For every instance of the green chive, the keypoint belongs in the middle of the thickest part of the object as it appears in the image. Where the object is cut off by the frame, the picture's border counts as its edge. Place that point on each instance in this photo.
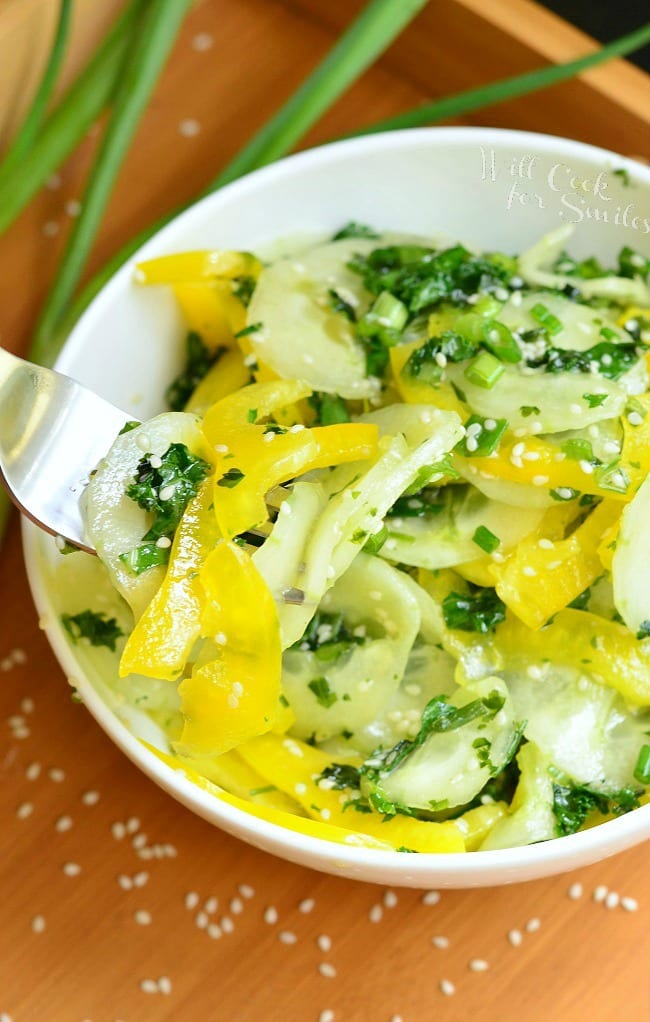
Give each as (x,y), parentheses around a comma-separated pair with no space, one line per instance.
(609,334)
(28,132)
(151,47)
(546,318)
(578,450)
(390,311)
(486,540)
(642,768)
(498,339)
(484,371)
(481,443)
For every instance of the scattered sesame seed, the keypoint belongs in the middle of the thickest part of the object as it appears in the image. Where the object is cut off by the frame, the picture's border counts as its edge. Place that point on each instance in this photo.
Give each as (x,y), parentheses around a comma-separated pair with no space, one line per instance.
(430,898)
(478,965)
(629,904)
(63,823)
(4,1017)
(236,906)
(515,937)
(71,869)
(142,917)
(287,937)
(191,900)
(118,830)
(600,893)
(38,924)
(575,891)
(24,810)
(375,914)
(324,943)
(214,931)
(246,891)
(165,985)
(540,480)
(148,986)
(26,704)
(53,182)
(575,409)
(90,798)
(612,900)
(202,41)
(271,915)
(73,207)
(440,942)
(33,771)
(326,1016)
(201,920)
(211,905)
(327,969)
(396,1018)
(189,127)
(227,924)
(529,571)
(533,925)
(139,841)
(390,899)
(57,775)
(306,905)
(125,882)
(634,418)
(132,825)
(447,987)
(50,229)
(546,544)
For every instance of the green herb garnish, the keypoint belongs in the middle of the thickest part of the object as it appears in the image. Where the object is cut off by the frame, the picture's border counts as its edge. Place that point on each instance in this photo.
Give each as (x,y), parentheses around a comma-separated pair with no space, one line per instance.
(96,627)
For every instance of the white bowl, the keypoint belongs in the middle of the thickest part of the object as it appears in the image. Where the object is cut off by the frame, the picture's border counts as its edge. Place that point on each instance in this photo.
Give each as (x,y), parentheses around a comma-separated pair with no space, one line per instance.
(486,188)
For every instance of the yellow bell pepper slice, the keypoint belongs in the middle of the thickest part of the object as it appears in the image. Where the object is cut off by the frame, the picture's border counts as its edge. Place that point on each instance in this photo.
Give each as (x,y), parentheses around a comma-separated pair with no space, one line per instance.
(235,696)
(415,392)
(476,824)
(536,581)
(293,765)
(233,774)
(162,638)
(606,650)
(184,267)
(534,462)
(207,310)
(250,461)
(297,824)
(223,378)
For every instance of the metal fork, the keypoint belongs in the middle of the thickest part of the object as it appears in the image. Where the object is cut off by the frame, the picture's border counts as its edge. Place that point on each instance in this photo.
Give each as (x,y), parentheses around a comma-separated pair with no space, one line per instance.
(53,432)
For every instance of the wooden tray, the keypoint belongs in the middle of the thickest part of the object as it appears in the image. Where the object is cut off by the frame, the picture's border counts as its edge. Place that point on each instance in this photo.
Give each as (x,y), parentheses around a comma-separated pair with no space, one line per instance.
(93,918)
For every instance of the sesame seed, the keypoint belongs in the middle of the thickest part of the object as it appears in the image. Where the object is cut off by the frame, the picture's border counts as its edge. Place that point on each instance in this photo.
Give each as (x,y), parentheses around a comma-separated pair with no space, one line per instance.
(26,704)
(326,1016)
(518,450)
(478,965)
(324,943)
(24,810)
(440,942)
(125,882)
(430,898)
(221,448)
(214,931)
(300,788)
(227,924)
(63,823)
(246,891)
(38,924)
(167,492)
(201,920)
(306,905)
(600,893)
(189,127)
(540,480)
(139,841)
(533,925)
(56,775)
(515,937)
(528,571)
(33,771)
(575,409)
(165,985)
(564,492)
(390,899)
(118,830)
(142,917)
(326,969)
(612,900)
(132,825)
(201,42)
(236,906)
(287,937)
(90,798)
(271,915)
(211,905)
(575,891)
(534,672)
(531,456)
(634,418)
(546,544)
(396,1018)
(71,869)
(50,229)
(375,914)
(447,987)
(191,900)
(629,904)
(148,986)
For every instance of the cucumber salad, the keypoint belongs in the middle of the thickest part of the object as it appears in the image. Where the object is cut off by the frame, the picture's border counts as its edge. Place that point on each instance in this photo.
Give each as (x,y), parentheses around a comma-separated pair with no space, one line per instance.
(381,572)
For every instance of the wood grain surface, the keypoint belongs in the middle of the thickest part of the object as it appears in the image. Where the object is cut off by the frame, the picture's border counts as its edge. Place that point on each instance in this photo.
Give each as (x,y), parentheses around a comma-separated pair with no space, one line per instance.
(95,922)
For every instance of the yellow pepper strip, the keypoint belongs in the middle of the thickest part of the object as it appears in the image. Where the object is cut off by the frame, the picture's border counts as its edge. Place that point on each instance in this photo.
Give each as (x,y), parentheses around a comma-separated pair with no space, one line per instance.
(309,827)
(476,824)
(294,765)
(533,461)
(537,581)
(223,378)
(250,461)
(230,771)
(414,392)
(204,313)
(606,650)
(162,638)
(290,414)
(234,697)
(186,267)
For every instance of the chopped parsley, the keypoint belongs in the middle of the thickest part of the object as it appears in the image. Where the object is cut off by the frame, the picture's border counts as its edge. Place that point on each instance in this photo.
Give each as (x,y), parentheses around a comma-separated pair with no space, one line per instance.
(354,230)
(324,694)
(96,627)
(340,776)
(527,410)
(243,289)
(427,362)
(164,488)
(198,360)
(473,612)
(339,304)
(595,400)
(231,478)
(643,630)
(572,804)
(606,358)
(330,409)
(328,636)
(486,540)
